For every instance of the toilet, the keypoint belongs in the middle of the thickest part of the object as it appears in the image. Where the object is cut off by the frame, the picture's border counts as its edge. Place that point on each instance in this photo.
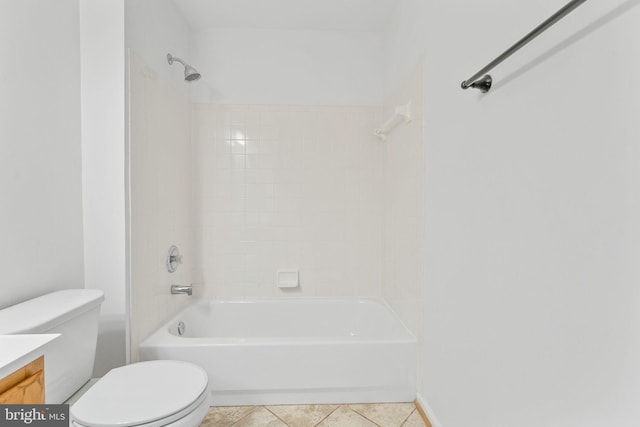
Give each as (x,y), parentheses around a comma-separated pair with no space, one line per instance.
(146,394)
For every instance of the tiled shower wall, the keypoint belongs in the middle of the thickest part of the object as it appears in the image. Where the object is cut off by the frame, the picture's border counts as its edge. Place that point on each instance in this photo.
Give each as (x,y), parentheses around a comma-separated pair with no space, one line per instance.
(247,190)
(284,187)
(404,207)
(161,198)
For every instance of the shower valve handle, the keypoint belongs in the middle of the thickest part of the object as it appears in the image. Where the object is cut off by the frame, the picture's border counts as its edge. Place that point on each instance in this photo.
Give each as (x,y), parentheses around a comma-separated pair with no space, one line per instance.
(174,259)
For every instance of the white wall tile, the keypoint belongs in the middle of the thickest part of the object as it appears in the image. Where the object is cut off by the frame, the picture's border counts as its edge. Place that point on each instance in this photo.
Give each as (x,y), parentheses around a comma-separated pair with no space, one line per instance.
(403,214)
(162,213)
(302,174)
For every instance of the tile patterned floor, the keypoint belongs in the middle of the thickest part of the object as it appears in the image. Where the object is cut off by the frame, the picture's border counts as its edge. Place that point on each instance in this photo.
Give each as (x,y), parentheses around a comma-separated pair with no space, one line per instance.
(355,415)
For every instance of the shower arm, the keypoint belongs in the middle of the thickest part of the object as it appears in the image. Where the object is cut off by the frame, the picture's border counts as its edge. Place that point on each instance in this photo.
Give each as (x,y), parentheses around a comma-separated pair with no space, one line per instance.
(171,58)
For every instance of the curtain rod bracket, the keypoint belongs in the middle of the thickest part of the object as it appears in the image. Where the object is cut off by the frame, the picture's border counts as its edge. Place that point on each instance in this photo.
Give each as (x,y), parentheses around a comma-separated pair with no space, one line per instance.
(483,84)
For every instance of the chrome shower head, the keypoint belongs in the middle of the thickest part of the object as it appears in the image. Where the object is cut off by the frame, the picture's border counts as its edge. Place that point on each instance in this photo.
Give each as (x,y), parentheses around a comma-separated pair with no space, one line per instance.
(190,73)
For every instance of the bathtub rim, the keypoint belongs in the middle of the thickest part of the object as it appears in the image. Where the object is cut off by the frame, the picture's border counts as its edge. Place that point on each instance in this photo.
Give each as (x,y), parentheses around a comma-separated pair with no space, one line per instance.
(163,336)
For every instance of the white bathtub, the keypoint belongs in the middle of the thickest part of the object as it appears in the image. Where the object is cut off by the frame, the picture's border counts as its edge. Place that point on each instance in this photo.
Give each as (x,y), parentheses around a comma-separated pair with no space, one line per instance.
(293,351)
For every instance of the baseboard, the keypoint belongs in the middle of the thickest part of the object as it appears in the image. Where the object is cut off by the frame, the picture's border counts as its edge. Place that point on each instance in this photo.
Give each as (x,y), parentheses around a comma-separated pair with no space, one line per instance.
(426,412)
(426,420)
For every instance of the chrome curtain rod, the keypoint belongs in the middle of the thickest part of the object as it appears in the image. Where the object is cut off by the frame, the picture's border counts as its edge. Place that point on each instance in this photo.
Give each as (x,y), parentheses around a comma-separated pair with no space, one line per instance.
(484,83)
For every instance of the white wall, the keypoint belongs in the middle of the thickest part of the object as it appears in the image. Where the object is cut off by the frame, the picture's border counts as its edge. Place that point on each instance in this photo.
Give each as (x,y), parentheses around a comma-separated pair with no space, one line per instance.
(40,164)
(103,172)
(404,42)
(245,66)
(533,215)
(155,28)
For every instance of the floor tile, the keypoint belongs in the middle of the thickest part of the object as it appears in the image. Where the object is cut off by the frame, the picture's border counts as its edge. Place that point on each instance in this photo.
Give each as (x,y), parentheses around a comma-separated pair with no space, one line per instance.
(385,414)
(414,420)
(302,415)
(260,417)
(225,416)
(345,417)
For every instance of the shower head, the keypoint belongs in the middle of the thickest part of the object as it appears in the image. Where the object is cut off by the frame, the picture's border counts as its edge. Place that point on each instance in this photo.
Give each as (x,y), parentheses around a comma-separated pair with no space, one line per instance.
(190,73)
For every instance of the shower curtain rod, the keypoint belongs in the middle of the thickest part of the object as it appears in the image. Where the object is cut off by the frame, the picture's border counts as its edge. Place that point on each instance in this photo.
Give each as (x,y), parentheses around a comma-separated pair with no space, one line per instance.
(484,83)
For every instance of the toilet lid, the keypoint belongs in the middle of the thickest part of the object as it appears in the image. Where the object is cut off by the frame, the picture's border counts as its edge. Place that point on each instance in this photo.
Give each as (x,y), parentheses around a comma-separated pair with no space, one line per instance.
(141,393)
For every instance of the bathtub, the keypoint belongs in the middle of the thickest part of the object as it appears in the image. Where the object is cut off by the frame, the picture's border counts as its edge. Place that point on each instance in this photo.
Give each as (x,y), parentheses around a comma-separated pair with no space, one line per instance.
(293,351)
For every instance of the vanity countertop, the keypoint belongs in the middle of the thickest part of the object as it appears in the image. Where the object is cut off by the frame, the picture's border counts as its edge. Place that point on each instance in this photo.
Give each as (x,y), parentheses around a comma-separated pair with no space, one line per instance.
(18,350)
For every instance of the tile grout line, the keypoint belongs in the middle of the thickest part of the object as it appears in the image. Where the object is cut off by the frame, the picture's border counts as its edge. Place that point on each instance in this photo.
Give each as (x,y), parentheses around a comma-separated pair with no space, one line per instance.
(276,415)
(247,414)
(328,415)
(408,416)
(365,417)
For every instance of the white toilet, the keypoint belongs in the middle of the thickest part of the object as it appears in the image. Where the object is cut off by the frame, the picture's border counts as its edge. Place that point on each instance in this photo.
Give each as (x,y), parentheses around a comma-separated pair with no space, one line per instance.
(147,394)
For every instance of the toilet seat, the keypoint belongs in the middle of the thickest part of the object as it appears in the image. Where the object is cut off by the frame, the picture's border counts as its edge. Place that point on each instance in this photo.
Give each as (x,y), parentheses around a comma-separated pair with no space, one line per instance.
(149,394)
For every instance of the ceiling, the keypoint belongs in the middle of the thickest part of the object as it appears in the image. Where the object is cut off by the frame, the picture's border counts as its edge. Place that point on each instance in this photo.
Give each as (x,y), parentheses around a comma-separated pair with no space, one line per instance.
(327,15)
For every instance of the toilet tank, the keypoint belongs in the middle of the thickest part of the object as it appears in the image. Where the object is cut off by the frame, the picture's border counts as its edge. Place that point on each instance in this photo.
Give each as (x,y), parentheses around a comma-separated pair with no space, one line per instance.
(73,313)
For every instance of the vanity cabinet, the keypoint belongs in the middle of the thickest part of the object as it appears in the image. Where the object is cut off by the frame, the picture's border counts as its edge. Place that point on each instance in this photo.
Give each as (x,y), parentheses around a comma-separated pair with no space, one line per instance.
(25,385)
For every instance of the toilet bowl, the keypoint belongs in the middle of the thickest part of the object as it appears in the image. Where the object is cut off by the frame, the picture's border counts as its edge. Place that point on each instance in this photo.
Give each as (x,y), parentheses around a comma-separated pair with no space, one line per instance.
(150,394)
(146,394)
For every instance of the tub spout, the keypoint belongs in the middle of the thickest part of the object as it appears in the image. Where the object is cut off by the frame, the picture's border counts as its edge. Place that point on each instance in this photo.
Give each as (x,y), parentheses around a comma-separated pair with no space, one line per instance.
(181,289)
